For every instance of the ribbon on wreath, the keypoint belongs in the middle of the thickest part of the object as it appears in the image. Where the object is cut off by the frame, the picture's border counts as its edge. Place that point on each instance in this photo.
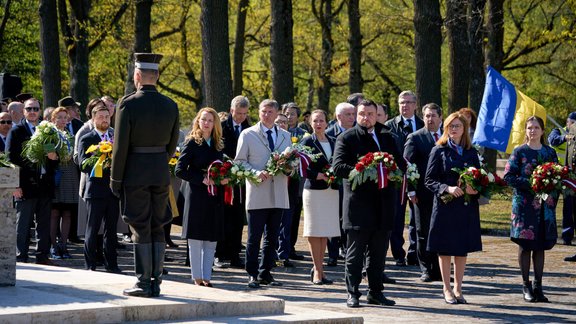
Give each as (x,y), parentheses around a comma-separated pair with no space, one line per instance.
(211,187)
(305,161)
(228,195)
(382,176)
(571,184)
(97,170)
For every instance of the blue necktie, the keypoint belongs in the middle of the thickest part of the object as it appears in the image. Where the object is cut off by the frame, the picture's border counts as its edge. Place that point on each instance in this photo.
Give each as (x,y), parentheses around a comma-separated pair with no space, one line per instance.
(270,140)
(237,131)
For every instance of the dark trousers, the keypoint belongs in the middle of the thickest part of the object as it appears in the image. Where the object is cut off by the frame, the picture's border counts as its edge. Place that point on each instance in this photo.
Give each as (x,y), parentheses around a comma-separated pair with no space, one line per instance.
(284,238)
(365,246)
(397,235)
(229,247)
(144,210)
(428,261)
(568,218)
(29,209)
(295,228)
(101,210)
(267,222)
(335,243)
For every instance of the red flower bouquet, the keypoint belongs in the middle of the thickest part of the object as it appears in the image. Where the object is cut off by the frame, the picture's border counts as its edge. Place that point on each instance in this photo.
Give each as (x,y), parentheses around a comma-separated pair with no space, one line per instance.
(481,180)
(378,167)
(329,173)
(217,172)
(551,177)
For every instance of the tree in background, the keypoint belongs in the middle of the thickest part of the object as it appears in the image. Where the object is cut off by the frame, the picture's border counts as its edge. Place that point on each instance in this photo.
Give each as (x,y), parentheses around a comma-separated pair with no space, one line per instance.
(239,42)
(459,47)
(282,51)
(216,54)
(476,35)
(355,82)
(50,49)
(427,50)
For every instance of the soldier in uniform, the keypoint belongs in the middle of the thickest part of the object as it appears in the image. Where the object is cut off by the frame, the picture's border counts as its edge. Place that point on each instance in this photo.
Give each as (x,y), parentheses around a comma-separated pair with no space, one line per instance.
(146,135)
(568,221)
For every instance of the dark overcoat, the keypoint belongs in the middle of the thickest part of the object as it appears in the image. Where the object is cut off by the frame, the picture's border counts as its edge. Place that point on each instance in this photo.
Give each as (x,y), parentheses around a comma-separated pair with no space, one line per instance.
(366,207)
(455,226)
(203,217)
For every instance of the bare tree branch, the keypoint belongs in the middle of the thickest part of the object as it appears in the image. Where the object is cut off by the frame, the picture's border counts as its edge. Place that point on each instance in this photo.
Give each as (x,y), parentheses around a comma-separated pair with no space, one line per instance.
(4,21)
(115,19)
(380,72)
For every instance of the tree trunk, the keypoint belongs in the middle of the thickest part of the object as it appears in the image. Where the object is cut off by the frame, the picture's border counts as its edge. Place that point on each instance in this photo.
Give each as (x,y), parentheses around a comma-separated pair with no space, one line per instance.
(50,50)
(495,26)
(142,42)
(4,21)
(79,69)
(355,47)
(216,54)
(282,50)
(240,41)
(476,37)
(459,67)
(427,47)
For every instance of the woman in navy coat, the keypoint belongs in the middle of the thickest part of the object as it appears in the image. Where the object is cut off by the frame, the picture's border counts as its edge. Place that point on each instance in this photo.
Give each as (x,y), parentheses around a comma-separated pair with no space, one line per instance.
(203,217)
(320,200)
(455,225)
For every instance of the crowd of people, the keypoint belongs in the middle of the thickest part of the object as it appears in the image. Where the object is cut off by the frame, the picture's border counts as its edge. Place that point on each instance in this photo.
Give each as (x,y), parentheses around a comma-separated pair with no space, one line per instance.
(357,225)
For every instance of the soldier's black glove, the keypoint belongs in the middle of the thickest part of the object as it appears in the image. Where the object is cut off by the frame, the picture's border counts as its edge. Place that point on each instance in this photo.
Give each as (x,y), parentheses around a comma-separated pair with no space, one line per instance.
(115,186)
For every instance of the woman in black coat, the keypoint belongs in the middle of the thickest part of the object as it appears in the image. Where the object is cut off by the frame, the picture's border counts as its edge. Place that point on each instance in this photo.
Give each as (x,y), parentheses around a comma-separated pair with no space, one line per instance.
(455,225)
(203,217)
(320,200)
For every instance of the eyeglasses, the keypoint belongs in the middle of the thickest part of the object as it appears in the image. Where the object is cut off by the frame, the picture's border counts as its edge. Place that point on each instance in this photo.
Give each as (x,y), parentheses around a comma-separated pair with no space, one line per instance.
(35,109)
(457,126)
(4,122)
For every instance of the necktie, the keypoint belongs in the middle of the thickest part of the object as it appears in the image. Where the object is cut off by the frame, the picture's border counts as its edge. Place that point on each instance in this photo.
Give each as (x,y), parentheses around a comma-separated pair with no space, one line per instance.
(376,140)
(104,137)
(409,126)
(33,129)
(436,137)
(270,140)
(237,130)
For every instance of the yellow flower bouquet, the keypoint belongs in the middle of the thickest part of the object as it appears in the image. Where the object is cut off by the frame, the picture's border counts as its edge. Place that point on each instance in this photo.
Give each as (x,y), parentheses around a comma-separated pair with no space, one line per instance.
(100,160)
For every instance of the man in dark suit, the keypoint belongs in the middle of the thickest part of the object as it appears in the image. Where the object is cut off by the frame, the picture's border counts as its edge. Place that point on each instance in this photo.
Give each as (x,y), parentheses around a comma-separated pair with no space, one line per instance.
(5,127)
(402,125)
(34,196)
(367,211)
(417,148)
(229,248)
(101,204)
(146,135)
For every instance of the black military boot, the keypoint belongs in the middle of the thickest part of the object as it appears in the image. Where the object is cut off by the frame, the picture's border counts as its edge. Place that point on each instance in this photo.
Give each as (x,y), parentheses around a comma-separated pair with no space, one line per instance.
(528,293)
(158,249)
(538,293)
(143,270)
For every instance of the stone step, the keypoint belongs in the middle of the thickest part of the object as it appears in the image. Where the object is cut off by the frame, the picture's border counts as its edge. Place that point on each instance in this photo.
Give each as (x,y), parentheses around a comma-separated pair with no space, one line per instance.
(45,294)
(292,314)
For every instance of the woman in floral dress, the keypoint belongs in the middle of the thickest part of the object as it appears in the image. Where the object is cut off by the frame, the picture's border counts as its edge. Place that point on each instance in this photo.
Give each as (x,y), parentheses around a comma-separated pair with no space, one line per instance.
(533,225)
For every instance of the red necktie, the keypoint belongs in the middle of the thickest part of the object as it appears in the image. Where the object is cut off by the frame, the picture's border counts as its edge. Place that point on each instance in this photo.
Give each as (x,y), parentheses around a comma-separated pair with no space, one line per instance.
(435,137)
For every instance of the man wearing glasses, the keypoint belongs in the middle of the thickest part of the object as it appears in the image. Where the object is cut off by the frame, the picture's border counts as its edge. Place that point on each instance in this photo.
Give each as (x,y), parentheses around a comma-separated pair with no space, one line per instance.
(34,196)
(5,126)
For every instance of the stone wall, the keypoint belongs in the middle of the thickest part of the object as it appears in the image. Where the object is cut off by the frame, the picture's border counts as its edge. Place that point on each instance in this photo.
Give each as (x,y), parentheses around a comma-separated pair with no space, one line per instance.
(8,181)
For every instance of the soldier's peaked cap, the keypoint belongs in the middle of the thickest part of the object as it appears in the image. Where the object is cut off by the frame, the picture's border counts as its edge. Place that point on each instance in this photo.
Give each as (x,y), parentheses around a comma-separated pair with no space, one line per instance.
(148,61)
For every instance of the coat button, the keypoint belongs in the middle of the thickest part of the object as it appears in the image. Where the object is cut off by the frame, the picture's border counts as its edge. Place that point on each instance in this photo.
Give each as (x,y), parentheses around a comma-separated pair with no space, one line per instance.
(465,164)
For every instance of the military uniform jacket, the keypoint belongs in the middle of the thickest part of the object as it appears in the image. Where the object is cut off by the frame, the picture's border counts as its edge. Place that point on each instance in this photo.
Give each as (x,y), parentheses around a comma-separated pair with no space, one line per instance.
(145,119)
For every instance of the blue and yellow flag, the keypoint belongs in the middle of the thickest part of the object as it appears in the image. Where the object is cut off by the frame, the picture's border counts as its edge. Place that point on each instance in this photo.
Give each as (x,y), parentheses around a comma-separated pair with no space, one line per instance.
(503,113)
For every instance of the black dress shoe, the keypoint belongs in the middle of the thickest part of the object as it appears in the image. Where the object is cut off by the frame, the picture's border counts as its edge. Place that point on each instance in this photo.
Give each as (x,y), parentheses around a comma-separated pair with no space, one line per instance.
(412,261)
(120,246)
(140,289)
(295,256)
(387,280)
(401,262)
(332,262)
(22,258)
(570,259)
(171,244)
(379,300)
(253,282)
(268,280)
(425,277)
(44,260)
(115,270)
(352,301)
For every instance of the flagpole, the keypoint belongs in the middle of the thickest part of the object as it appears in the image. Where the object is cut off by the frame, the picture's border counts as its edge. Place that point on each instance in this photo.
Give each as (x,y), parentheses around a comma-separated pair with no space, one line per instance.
(556,123)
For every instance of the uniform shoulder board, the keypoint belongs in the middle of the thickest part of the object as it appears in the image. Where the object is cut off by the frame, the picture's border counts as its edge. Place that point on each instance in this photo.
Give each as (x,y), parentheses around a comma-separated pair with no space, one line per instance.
(124,98)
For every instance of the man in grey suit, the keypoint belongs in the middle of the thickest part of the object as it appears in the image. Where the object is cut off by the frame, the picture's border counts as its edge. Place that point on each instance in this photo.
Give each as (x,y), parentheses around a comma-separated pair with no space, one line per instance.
(266,200)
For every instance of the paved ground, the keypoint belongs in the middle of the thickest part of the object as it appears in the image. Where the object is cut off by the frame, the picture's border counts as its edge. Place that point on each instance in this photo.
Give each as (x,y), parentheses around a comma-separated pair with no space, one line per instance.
(492,286)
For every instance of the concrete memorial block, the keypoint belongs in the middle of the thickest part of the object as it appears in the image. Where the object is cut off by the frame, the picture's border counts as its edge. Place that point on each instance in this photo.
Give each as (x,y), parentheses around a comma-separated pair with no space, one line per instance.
(9,180)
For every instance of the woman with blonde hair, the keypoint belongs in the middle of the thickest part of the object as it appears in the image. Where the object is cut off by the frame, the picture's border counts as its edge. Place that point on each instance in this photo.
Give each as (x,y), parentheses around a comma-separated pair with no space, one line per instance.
(454,225)
(203,217)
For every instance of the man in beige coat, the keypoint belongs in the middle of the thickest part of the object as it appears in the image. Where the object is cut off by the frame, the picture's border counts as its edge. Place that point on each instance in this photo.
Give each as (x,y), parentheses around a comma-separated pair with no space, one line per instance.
(266,200)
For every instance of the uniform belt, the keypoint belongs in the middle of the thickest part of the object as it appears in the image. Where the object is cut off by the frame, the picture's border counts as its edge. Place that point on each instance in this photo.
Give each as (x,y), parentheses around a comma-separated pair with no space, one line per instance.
(149,149)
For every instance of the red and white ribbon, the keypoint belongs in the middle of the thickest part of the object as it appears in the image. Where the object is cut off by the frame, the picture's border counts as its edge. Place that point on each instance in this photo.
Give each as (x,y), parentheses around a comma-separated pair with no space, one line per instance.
(571,184)
(228,195)
(211,187)
(305,161)
(382,176)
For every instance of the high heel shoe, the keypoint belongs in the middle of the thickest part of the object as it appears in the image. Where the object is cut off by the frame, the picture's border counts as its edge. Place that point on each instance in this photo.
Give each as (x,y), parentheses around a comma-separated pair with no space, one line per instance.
(450,299)
(528,292)
(460,299)
(312,275)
